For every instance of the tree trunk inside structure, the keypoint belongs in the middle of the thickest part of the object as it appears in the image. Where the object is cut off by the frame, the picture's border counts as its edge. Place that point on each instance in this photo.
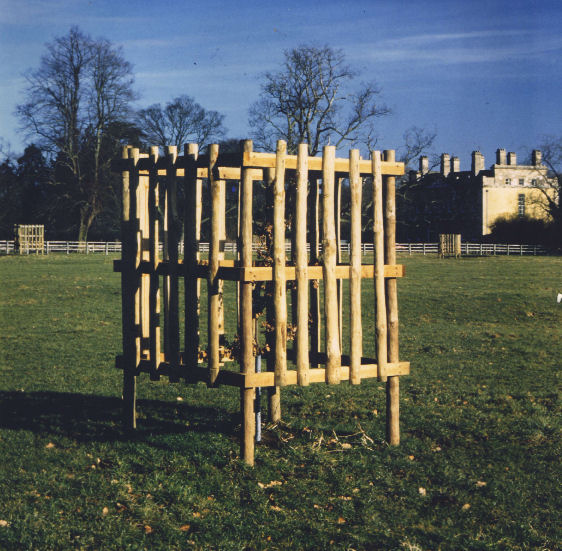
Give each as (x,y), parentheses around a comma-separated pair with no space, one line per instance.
(87,216)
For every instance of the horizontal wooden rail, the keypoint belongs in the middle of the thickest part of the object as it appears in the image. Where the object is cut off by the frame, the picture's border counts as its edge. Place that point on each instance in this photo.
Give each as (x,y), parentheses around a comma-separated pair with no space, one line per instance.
(229,272)
(267,160)
(265,379)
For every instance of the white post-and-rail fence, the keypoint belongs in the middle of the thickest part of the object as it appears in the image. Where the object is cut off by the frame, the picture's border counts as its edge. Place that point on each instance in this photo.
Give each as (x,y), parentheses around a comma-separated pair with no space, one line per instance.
(468,249)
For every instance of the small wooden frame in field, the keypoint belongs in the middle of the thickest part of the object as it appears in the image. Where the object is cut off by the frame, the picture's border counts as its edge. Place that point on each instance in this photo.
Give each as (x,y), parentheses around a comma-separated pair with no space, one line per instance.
(314,185)
(29,238)
(449,245)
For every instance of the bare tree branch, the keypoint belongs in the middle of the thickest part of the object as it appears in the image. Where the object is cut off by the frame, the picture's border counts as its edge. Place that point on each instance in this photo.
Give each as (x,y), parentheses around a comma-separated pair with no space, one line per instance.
(314,99)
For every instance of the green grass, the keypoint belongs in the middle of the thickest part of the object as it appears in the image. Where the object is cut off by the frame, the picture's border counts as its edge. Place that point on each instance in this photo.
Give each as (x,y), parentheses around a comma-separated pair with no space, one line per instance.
(478,466)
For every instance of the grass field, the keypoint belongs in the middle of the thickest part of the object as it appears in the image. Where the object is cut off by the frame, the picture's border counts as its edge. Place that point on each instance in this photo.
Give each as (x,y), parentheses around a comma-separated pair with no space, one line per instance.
(478,466)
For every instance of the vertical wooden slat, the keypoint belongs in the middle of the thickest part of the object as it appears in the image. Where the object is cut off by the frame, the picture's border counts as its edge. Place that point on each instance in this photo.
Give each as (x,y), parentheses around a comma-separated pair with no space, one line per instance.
(144,225)
(314,237)
(355,327)
(301,263)
(130,285)
(279,279)
(339,282)
(213,282)
(174,230)
(333,354)
(166,258)
(274,392)
(153,237)
(246,316)
(393,383)
(222,239)
(238,245)
(192,218)
(380,302)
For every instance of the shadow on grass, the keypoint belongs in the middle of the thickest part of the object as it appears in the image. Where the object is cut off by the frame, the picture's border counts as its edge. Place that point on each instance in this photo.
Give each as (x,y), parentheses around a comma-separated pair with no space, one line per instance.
(86,417)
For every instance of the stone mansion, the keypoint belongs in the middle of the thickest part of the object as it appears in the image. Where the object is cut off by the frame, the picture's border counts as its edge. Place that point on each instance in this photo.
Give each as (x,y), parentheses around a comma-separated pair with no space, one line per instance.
(450,200)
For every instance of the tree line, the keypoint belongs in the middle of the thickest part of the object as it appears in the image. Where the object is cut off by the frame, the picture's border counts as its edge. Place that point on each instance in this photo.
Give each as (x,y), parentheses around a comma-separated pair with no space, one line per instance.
(78,112)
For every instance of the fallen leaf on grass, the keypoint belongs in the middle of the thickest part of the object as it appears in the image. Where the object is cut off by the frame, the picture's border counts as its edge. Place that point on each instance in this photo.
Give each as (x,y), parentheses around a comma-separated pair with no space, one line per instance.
(275,508)
(480,483)
(147,529)
(341,520)
(4,523)
(346,445)
(466,507)
(196,514)
(270,484)
(104,511)
(185,528)
(411,457)
(50,445)
(422,491)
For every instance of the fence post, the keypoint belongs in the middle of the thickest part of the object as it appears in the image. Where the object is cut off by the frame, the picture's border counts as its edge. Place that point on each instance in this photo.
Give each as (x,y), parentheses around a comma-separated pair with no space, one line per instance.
(246,320)
(535,250)
(424,249)
(393,383)
(409,248)
(521,248)
(331,334)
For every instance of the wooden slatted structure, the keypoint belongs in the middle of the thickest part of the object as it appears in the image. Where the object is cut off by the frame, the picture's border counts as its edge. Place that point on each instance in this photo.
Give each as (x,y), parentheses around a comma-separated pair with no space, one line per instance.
(29,238)
(449,245)
(317,297)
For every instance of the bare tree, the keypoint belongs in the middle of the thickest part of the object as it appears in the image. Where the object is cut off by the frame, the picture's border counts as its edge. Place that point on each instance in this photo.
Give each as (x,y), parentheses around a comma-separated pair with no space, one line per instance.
(182,120)
(417,141)
(549,183)
(81,89)
(315,99)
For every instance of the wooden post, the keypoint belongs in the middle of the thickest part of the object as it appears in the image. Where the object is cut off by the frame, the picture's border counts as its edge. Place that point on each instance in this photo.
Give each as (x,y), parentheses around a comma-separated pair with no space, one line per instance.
(333,354)
(393,383)
(314,236)
(174,230)
(144,244)
(130,287)
(192,234)
(213,282)
(153,237)
(339,282)
(380,302)
(356,327)
(274,392)
(246,316)
(222,238)
(279,279)
(301,263)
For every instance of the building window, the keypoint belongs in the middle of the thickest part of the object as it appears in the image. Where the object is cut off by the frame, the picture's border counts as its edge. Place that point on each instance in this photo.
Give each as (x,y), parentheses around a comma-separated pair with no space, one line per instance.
(534,182)
(508,181)
(521,181)
(521,205)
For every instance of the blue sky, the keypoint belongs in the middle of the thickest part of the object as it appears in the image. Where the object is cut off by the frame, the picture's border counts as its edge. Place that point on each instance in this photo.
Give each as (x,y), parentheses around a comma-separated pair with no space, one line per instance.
(482,74)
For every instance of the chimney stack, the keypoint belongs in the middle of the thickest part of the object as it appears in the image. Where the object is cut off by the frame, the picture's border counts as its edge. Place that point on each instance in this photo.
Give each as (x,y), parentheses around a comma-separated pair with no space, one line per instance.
(445,164)
(537,157)
(477,162)
(455,164)
(511,158)
(501,157)
(424,165)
